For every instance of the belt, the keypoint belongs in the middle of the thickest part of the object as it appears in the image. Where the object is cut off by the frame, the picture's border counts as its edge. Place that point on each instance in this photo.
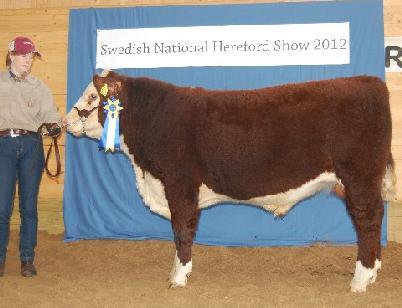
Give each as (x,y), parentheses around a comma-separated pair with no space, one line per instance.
(15,132)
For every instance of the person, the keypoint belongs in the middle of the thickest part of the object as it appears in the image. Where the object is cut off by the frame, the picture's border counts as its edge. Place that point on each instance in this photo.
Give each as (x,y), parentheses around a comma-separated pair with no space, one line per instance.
(25,104)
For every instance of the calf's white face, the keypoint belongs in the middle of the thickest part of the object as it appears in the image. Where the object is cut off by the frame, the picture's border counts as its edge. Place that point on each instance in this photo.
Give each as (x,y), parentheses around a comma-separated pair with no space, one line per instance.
(89,125)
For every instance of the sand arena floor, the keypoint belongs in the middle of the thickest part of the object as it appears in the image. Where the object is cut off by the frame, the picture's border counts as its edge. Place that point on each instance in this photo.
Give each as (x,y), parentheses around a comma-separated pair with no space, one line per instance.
(106,273)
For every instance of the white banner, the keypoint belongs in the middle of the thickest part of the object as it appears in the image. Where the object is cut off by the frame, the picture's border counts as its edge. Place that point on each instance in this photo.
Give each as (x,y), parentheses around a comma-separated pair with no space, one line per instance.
(393,54)
(232,45)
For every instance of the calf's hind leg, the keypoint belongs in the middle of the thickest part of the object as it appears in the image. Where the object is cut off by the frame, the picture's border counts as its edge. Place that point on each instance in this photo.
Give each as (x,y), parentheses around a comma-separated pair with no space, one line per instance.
(184,218)
(366,209)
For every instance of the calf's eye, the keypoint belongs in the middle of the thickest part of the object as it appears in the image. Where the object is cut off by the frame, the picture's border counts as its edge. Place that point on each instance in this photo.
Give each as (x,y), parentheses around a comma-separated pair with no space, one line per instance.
(92,97)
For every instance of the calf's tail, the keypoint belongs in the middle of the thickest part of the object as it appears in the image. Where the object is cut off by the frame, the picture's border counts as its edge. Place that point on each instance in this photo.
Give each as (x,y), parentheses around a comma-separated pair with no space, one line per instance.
(389,181)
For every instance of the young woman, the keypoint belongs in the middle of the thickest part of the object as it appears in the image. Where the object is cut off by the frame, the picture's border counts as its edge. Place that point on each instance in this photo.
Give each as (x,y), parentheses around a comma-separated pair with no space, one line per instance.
(25,104)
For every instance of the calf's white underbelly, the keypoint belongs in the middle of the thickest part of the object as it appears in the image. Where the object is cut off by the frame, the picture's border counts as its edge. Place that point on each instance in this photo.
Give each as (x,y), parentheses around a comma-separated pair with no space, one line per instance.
(153,193)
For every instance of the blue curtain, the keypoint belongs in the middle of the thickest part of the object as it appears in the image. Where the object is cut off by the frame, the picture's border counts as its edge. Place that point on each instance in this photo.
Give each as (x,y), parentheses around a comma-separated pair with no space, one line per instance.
(91,211)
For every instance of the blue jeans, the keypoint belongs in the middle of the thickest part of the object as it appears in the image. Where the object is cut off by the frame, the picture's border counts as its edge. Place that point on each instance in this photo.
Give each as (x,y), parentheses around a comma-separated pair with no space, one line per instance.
(22,159)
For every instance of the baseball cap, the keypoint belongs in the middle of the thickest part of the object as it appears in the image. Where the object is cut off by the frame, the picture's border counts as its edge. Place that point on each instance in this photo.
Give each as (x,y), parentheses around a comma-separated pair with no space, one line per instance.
(22,45)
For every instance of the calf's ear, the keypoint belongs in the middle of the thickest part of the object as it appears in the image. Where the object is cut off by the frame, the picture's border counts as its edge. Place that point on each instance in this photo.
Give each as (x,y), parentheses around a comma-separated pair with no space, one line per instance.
(98,81)
(113,85)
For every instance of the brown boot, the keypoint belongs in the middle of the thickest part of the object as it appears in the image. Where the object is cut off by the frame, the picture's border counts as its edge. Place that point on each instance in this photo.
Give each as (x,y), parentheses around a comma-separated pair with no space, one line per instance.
(28,269)
(2,267)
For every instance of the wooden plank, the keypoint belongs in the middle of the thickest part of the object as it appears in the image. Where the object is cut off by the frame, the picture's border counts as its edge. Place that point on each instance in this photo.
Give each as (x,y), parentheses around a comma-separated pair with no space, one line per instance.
(395,236)
(14,4)
(395,94)
(392,17)
(397,151)
(395,221)
(396,134)
(397,131)
(396,112)
(61,103)
(398,172)
(61,10)
(397,154)
(393,29)
(50,216)
(38,21)
(190,2)
(390,2)
(395,209)
(51,188)
(394,83)
(26,4)
(51,3)
(393,14)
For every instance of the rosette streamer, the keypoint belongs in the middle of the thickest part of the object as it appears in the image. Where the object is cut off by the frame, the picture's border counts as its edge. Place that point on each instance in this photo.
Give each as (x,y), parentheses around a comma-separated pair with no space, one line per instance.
(110,139)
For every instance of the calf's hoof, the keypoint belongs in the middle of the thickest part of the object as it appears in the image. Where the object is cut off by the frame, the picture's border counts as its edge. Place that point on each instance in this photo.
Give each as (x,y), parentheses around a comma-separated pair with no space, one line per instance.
(364,276)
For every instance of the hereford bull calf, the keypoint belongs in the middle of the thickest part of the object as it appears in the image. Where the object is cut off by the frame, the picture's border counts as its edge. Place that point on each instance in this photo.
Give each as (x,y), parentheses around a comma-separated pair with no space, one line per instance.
(272,147)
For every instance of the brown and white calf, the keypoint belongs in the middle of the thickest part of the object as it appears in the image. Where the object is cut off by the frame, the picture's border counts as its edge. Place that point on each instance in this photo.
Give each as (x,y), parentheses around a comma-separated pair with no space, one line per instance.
(272,147)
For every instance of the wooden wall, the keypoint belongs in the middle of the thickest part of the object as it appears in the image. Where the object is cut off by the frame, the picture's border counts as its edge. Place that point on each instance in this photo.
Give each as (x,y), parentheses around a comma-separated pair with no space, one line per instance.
(393,27)
(46,22)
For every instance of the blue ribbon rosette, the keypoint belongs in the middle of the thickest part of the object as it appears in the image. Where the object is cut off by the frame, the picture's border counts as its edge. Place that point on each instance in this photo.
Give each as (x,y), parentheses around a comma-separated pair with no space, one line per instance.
(110,139)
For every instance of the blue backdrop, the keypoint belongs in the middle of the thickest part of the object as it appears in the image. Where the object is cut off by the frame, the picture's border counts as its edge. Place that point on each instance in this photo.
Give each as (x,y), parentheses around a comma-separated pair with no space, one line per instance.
(91,212)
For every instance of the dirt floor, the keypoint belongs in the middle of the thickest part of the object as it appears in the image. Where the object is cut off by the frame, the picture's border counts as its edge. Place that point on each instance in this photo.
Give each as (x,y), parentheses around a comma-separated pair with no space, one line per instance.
(134,274)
